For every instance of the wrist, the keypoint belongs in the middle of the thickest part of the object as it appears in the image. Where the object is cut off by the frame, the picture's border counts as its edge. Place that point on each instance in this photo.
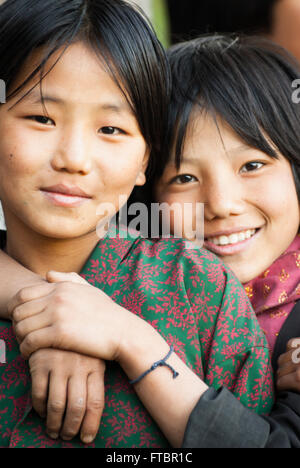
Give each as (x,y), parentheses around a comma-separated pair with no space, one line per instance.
(140,347)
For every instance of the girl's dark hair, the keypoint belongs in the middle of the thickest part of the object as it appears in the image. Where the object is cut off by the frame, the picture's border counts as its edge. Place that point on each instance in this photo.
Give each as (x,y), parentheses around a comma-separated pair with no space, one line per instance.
(121,36)
(245,81)
(191,18)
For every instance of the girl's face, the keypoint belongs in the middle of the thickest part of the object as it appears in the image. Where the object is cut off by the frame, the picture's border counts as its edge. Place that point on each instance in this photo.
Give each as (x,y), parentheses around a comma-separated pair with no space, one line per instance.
(57,169)
(251,205)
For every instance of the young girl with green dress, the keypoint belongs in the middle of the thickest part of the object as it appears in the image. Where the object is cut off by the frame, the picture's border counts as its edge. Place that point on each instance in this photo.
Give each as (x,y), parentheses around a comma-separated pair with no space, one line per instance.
(75,134)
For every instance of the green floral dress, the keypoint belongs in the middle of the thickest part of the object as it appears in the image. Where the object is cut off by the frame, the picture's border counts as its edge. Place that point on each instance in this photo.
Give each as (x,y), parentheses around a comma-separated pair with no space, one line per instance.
(194,302)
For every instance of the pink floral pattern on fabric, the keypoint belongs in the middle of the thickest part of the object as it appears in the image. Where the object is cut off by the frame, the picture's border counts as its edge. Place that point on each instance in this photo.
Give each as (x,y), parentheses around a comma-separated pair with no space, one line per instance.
(274,293)
(193,301)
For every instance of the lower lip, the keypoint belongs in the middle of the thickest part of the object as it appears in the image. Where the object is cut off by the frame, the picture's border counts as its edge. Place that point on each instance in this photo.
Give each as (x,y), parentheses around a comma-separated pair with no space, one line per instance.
(60,199)
(232,249)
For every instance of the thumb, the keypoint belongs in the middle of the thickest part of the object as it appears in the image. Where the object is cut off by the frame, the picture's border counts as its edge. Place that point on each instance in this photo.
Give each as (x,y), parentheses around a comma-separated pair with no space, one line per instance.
(58,277)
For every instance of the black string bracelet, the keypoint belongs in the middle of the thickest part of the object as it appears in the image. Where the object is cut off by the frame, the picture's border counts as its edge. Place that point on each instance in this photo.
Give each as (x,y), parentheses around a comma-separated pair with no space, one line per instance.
(154,366)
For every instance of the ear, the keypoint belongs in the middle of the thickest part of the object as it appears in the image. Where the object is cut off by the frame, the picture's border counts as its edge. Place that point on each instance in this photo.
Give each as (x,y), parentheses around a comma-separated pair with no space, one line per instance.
(141,178)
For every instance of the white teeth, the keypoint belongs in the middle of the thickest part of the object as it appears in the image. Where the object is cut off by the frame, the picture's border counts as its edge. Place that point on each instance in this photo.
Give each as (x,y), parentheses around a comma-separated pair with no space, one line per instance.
(233,238)
(223,240)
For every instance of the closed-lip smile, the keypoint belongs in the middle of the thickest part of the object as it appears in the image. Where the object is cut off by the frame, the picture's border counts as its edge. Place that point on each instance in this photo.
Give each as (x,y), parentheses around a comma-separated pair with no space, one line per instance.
(65,196)
(62,189)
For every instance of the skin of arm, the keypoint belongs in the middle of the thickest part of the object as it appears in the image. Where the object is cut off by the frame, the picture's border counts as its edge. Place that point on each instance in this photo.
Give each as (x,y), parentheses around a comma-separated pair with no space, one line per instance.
(187,387)
(48,316)
(21,278)
(177,397)
(69,373)
(124,337)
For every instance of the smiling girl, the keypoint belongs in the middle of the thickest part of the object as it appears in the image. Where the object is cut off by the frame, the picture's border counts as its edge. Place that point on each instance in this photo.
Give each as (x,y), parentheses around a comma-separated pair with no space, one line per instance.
(84,123)
(240,157)
(236,149)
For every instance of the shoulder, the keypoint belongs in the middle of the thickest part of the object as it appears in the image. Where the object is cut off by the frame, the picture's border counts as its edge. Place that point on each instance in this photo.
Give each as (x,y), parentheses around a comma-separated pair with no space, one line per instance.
(196,264)
(130,251)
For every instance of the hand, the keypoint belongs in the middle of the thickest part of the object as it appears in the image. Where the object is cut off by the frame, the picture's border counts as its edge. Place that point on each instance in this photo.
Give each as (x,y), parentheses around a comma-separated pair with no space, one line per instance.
(68,389)
(288,374)
(69,316)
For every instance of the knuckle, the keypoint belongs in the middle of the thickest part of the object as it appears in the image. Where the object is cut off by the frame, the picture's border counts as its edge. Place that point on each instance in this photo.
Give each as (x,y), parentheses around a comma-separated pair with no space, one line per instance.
(59,301)
(97,404)
(56,406)
(16,313)
(19,329)
(30,342)
(22,295)
(77,408)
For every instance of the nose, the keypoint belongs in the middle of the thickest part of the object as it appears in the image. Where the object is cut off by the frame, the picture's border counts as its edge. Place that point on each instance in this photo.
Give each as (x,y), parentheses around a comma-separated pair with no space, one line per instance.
(223,195)
(73,152)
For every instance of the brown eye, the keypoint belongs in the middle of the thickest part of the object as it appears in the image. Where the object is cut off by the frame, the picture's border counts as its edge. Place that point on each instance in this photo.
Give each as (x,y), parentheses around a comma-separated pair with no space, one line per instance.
(252,166)
(42,119)
(111,131)
(183,179)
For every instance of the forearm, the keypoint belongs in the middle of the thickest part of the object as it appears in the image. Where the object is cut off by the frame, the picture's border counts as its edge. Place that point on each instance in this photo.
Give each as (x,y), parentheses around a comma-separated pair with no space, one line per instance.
(13,277)
(169,401)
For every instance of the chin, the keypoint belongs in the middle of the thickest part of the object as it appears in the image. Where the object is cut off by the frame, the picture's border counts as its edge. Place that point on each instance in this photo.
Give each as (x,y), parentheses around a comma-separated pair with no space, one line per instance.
(55,231)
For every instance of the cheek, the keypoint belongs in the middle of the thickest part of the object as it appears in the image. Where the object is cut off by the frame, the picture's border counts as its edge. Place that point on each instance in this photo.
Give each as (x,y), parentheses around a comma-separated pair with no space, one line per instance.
(182,217)
(19,155)
(279,200)
(120,169)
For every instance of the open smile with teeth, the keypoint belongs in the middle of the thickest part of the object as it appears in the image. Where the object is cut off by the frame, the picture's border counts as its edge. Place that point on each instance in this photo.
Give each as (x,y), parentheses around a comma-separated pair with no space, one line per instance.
(233,238)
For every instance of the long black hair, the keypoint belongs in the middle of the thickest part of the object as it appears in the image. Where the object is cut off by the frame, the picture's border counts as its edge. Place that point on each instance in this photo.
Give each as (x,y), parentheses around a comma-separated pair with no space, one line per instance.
(247,82)
(122,37)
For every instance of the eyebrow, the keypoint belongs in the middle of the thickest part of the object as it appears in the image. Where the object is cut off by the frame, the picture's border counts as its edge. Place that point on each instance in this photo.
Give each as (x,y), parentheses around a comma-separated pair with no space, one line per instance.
(117,108)
(190,160)
(195,161)
(242,147)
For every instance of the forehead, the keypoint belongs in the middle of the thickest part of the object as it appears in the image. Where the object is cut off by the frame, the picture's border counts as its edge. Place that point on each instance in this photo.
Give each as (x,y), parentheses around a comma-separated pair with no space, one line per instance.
(207,135)
(74,75)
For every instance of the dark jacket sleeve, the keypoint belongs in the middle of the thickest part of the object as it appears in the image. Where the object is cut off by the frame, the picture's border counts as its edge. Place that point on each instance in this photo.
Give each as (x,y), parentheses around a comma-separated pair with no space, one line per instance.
(219,420)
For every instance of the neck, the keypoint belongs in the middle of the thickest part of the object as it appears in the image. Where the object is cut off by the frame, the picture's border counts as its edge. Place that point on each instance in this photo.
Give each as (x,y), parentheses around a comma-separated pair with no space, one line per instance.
(41,254)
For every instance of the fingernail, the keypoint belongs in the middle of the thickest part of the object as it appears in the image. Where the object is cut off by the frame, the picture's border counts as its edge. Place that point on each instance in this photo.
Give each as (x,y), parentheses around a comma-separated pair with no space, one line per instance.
(87,439)
(52,435)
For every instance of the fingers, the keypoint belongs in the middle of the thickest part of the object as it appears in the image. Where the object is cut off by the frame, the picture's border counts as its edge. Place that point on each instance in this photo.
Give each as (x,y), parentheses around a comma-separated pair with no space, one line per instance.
(38,339)
(56,276)
(29,294)
(94,409)
(289,361)
(76,407)
(288,374)
(289,382)
(28,309)
(56,404)
(287,368)
(31,324)
(40,392)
